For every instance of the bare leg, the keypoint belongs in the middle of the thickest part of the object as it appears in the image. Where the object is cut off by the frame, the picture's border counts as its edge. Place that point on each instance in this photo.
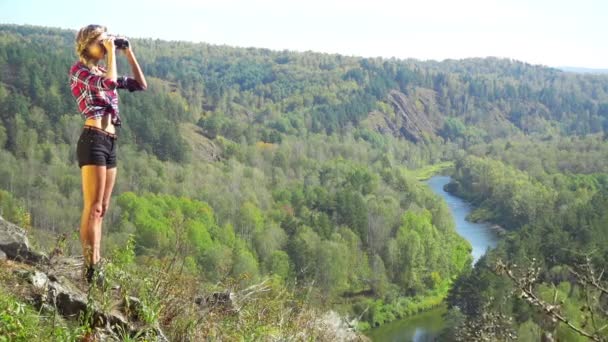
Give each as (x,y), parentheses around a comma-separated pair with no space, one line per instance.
(107,193)
(87,249)
(93,185)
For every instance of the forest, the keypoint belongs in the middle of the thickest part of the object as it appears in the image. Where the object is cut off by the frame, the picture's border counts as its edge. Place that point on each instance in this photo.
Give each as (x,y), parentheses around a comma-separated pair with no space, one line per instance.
(251,163)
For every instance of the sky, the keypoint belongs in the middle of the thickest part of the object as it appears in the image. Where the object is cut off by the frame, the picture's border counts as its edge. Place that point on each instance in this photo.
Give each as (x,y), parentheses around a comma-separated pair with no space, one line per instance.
(553,33)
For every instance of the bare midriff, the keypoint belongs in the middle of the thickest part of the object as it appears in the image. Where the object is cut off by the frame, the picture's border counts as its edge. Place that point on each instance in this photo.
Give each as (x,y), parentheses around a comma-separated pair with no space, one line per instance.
(105,123)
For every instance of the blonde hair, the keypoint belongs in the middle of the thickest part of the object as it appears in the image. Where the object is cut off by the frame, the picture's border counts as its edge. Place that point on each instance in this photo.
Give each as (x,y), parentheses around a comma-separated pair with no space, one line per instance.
(85,36)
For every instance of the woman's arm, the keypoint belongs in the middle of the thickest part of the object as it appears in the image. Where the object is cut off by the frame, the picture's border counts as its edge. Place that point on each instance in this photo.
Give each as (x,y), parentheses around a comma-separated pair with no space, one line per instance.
(95,82)
(139,75)
(111,60)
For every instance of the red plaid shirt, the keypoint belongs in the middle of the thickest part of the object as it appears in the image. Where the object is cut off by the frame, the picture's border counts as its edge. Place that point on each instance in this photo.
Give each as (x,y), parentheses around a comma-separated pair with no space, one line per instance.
(96,95)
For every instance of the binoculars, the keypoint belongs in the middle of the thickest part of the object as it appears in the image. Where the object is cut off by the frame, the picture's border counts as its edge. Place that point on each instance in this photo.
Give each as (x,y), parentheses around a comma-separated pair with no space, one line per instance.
(120,43)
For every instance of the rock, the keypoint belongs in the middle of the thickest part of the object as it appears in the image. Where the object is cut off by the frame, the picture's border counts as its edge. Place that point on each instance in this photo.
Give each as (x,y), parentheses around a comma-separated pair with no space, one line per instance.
(58,292)
(54,287)
(416,115)
(415,122)
(216,298)
(15,244)
(132,306)
(39,279)
(341,329)
(202,144)
(69,301)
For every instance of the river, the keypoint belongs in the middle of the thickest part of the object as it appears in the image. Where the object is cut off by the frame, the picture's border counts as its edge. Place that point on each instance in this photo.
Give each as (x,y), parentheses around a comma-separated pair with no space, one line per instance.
(427,325)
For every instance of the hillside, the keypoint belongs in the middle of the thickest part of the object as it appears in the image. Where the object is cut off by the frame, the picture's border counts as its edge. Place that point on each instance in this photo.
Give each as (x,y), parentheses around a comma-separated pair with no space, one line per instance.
(45,298)
(302,168)
(326,216)
(266,95)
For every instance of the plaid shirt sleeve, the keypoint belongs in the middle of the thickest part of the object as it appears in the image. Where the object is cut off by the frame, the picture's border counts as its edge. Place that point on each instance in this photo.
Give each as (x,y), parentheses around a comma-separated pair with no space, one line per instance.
(93,81)
(126,82)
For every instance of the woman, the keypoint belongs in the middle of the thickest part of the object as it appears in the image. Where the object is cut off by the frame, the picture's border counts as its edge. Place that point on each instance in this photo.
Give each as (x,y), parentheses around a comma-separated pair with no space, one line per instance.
(94,88)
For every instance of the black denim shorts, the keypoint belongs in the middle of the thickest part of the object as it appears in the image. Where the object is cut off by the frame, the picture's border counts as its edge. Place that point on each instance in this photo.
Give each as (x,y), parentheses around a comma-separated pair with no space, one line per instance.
(96,147)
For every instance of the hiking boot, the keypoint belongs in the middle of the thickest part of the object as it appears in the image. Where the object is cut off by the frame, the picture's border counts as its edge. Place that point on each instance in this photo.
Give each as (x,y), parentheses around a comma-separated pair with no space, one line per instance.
(94,274)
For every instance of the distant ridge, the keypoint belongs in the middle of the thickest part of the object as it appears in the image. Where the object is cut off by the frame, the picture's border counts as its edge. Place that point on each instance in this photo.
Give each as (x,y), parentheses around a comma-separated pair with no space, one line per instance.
(583,70)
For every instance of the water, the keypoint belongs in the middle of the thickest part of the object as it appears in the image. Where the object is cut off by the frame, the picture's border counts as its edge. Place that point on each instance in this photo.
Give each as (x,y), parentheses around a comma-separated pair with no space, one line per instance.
(480,235)
(423,327)
(426,326)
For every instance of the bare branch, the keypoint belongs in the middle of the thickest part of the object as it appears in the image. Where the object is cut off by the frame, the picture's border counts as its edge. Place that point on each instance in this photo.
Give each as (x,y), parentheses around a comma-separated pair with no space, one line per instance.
(526,283)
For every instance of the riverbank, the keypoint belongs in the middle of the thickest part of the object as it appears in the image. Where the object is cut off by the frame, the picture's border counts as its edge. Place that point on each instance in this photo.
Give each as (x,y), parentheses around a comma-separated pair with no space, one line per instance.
(478,214)
(426,172)
(408,307)
(481,236)
(403,307)
(425,326)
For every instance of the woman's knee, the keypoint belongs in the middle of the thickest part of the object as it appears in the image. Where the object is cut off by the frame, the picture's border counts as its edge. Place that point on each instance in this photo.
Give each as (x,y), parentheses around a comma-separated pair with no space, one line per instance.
(95,210)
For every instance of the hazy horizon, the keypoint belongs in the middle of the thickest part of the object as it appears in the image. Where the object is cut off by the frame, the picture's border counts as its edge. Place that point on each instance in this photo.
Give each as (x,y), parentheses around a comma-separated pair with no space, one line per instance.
(555,34)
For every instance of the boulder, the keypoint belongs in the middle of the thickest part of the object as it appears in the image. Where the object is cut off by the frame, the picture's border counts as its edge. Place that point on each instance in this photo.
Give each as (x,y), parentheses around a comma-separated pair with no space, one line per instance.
(15,245)
(60,293)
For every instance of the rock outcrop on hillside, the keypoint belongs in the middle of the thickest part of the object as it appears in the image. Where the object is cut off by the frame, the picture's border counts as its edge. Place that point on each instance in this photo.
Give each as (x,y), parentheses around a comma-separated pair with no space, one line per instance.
(55,283)
(415,116)
(14,244)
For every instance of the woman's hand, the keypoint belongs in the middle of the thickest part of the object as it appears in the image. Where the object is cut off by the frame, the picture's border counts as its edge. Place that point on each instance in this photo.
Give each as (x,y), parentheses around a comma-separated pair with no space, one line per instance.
(108,43)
